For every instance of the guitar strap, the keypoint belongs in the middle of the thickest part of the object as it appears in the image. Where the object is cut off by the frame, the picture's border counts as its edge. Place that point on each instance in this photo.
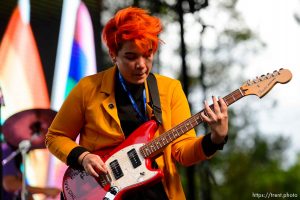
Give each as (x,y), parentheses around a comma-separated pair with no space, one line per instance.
(154,97)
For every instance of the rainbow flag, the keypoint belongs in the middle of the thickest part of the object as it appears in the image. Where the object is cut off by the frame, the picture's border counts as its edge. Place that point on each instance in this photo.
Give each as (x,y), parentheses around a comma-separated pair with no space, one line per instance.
(83,61)
(75,60)
(76,43)
(22,81)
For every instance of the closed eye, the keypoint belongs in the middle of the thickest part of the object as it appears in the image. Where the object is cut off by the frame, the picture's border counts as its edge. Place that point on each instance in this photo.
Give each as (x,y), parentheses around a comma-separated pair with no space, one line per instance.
(131,56)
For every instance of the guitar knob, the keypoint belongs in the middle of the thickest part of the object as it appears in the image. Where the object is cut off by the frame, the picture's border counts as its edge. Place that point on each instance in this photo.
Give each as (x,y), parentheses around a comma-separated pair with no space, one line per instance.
(113,190)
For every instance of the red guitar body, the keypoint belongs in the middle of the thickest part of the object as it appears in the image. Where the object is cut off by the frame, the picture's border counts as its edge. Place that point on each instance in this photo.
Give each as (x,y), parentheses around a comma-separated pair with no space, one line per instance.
(127,170)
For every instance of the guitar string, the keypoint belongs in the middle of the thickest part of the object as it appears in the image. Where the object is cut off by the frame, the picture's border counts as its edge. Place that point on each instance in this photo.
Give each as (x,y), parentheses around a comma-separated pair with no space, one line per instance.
(179,129)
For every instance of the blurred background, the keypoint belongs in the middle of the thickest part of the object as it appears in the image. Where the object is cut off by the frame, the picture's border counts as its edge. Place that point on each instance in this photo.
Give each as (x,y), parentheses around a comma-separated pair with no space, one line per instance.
(212,47)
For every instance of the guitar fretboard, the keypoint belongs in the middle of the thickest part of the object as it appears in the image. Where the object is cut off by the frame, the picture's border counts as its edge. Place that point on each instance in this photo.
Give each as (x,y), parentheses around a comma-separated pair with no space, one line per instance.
(155,146)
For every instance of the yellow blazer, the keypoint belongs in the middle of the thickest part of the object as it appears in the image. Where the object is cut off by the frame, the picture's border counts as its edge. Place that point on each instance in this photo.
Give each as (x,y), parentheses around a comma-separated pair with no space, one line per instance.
(90,109)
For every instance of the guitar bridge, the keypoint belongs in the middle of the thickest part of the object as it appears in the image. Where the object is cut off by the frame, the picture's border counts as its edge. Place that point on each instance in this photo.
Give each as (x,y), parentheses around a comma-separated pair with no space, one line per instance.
(104,179)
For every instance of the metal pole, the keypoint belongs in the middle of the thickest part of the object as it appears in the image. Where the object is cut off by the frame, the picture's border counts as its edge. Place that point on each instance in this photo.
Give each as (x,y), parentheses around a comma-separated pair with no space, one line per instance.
(1,137)
(24,147)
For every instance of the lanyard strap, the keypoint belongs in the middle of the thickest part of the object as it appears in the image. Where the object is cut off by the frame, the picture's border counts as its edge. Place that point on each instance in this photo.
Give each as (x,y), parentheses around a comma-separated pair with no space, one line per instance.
(142,117)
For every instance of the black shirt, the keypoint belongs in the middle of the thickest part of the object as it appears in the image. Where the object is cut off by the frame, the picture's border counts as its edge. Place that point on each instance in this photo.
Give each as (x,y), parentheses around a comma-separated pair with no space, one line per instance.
(130,121)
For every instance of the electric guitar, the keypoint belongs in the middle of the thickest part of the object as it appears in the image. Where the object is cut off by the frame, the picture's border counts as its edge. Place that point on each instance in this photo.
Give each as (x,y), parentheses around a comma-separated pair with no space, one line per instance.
(129,164)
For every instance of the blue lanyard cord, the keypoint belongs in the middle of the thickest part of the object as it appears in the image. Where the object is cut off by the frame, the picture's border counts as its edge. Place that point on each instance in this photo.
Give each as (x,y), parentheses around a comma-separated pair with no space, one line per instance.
(142,117)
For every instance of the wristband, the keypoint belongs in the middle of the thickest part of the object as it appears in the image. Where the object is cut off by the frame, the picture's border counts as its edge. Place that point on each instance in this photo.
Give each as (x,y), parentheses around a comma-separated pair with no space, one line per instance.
(84,157)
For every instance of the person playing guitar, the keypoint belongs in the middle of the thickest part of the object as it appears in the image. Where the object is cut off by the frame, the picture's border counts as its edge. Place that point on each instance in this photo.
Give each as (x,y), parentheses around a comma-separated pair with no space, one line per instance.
(113,113)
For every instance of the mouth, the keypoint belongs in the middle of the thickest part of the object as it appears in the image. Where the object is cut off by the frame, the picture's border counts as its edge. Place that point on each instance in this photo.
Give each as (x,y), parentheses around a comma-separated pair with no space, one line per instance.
(140,74)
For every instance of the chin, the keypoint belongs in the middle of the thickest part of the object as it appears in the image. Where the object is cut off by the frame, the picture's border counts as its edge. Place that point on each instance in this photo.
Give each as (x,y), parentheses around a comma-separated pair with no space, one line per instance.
(139,80)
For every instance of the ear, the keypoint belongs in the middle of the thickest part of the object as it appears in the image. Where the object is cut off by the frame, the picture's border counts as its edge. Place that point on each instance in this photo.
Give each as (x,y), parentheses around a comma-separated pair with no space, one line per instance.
(113,57)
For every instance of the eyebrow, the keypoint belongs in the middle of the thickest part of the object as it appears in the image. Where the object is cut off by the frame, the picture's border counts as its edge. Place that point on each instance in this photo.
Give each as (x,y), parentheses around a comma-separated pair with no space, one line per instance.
(138,53)
(130,53)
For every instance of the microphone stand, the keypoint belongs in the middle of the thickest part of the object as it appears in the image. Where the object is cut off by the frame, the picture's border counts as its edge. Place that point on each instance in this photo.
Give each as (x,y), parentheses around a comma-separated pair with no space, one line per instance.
(24,147)
(1,138)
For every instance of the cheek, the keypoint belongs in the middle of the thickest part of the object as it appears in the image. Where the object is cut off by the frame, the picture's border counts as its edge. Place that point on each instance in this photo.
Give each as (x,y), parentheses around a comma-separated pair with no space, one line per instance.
(127,65)
(149,64)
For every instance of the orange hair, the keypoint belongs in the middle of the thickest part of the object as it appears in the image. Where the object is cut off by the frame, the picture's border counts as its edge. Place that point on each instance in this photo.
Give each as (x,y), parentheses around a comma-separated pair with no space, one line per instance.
(132,24)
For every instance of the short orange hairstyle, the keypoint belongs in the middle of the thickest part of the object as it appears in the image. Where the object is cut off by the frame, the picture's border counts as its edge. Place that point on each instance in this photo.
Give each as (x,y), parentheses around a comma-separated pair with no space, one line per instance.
(132,24)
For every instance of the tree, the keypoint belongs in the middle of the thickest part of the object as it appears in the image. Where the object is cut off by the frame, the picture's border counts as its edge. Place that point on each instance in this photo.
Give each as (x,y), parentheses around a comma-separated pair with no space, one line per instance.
(224,48)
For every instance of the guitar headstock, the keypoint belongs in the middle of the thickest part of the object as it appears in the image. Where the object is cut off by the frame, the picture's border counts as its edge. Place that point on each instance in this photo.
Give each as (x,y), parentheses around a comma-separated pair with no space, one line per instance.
(263,84)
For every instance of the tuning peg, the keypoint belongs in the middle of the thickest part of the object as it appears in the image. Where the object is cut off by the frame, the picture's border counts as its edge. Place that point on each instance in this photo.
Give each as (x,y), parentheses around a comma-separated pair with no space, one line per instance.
(275,73)
(256,80)
(262,77)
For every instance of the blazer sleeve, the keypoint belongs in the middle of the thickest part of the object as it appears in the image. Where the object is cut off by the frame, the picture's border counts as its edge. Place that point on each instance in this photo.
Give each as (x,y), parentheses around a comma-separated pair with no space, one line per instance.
(188,148)
(61,136)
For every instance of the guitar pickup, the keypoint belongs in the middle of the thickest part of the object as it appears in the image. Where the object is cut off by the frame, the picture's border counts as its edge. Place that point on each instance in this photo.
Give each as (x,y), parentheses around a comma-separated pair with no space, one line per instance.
(134,158)
(116,169)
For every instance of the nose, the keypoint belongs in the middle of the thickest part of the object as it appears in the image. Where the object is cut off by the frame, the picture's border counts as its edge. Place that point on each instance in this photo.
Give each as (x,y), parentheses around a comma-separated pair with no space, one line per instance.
(141,63)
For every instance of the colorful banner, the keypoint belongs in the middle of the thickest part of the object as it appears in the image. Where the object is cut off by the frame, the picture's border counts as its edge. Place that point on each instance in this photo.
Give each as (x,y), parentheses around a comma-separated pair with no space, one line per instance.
(21,74)
(23,83)
(75,60)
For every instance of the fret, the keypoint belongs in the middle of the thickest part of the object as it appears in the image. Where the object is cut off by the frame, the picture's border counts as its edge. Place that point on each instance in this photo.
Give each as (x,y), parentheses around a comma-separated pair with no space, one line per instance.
(148,151)
(172,136)
(233,97)
(183,129)
(180,131)
(199,118)
(174,133)
(158,144)
(160,140)
(143,151)
(169,135)
(187,126)
(168,140)
(152,147)
(163,140)
(240,91)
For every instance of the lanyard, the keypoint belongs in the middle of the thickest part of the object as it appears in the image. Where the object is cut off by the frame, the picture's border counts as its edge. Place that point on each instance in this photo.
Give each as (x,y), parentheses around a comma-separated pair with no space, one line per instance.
(142,117)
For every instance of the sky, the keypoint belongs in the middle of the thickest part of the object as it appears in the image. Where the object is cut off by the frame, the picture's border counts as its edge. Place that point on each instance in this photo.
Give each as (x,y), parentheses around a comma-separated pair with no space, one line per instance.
(274,23)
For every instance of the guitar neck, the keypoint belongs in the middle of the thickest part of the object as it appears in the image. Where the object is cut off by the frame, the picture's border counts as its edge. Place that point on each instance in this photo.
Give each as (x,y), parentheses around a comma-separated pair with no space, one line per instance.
(156,146)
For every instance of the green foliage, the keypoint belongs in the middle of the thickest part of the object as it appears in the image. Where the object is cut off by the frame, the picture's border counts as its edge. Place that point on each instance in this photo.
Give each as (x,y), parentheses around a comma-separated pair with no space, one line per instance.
(243,170)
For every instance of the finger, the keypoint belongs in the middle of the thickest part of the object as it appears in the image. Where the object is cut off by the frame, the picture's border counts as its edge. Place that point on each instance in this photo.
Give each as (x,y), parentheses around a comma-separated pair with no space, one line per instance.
(223,105)
(204,117)
(209,112)
(101,167)
(91,171)
(97,162)
(216,105)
